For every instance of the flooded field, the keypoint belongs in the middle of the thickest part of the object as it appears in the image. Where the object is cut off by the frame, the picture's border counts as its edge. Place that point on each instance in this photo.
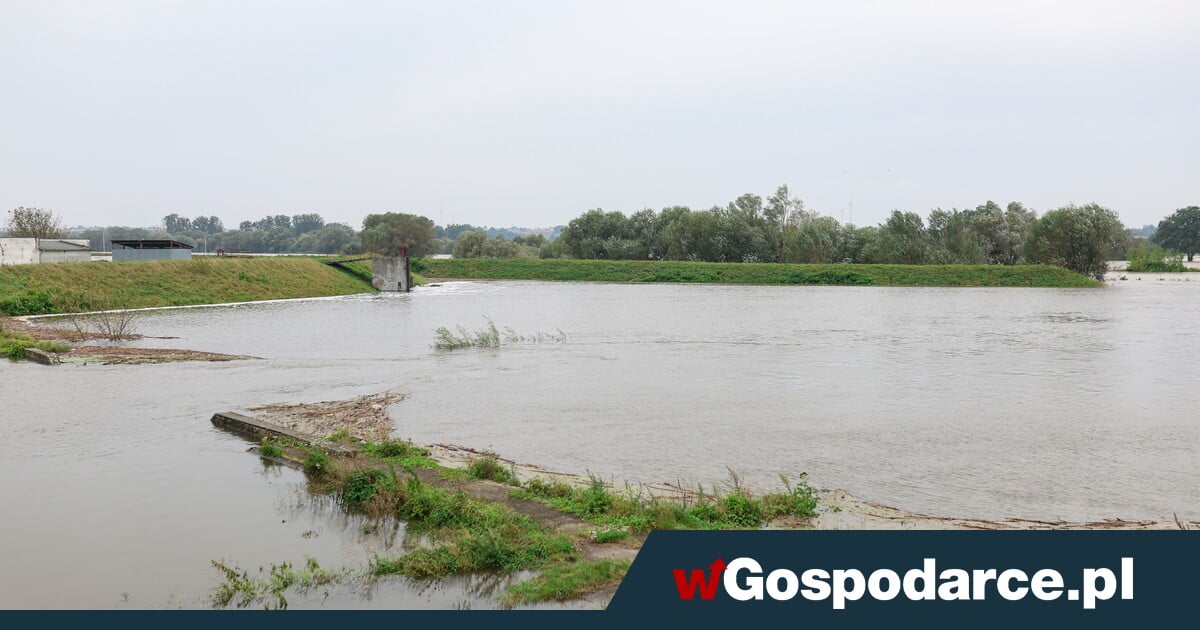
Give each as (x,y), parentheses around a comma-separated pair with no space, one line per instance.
(1040,403)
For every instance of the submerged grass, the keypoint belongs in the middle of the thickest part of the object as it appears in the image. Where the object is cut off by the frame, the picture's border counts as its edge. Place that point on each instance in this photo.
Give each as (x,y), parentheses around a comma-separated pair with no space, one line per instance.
(268,588)
(756,273)
(489,337)
(565,582)
(463,534)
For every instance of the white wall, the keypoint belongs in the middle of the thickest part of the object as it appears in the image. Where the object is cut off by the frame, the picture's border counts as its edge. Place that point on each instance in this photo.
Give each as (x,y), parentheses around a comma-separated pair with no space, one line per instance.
(18,251)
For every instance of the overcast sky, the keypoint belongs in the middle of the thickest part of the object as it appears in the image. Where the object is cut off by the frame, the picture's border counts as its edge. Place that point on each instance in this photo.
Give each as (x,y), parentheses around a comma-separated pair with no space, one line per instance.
(528,113)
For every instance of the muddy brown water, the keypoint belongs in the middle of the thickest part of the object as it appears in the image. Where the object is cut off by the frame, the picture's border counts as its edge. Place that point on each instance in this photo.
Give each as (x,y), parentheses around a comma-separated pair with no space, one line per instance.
(1039,403)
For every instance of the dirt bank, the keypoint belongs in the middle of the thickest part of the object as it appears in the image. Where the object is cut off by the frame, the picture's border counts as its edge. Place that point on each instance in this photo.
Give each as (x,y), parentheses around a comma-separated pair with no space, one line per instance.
(108,353)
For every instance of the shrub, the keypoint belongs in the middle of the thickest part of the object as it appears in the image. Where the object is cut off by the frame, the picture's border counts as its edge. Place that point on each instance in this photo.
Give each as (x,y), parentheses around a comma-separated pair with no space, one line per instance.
(489,467)
(1152,258)
(269,448)
(316,463)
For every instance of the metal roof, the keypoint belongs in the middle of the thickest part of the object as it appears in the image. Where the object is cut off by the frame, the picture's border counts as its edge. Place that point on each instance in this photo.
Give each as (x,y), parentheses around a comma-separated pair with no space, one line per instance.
(152,244)
(63,245)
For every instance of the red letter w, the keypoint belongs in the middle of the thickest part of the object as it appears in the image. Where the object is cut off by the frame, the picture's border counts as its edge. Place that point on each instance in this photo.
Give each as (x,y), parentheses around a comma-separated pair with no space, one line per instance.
(689,585)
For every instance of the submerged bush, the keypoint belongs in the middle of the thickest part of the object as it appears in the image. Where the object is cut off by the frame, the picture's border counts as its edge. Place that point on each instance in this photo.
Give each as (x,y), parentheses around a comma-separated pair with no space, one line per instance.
(1152,258)
(488,337)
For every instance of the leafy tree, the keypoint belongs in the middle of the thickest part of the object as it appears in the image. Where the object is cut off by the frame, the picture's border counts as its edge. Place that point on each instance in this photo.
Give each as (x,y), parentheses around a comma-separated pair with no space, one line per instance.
(814,240)
(780,216)
(1180,231)
(692,236)
(599,234)
(329,239)
(900,240)
(34,223)
(453,230)
(208,225)
(175,224)
(477,245)
(385,233)
(305,223)
(855,244)
(951,239)
(1001,232)
(1079,238)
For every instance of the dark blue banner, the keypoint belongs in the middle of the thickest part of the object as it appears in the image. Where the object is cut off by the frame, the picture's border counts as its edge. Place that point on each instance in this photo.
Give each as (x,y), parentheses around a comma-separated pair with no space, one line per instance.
(867,579)
(1101,578)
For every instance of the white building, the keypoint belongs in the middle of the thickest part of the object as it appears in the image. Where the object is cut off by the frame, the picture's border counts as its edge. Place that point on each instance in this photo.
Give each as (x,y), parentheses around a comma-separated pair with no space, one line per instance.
(29,251)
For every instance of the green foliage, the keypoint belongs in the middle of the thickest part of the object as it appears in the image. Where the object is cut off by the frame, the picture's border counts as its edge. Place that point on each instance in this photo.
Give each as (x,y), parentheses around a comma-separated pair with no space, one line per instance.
(13,345)
(757,273)
(316,463)
(901,240)
(270,448)
(478,245)
(243,591)
(565,582)
(1180,231)
(400,453)
(741,510)
(362,486)
(1153,258)
(629,511)
(606,536)
(385,233)
(1079,238)
(488,337)
(476,536)
(55,288)
(489,467)
(799,500)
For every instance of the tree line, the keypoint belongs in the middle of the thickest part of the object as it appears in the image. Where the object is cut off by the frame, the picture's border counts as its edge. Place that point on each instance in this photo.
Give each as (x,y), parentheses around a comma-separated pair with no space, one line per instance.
(748,229)
(780,229)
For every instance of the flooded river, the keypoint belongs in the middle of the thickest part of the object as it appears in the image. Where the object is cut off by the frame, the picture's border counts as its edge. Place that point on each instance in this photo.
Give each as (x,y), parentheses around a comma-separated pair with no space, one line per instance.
(1056,404)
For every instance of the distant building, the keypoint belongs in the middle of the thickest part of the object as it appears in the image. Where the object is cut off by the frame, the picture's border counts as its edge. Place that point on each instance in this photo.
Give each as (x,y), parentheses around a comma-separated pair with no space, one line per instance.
(31,251)
(157,249)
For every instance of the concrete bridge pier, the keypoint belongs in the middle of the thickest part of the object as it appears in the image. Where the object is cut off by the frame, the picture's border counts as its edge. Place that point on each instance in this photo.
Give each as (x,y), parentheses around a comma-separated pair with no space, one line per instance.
(391,273)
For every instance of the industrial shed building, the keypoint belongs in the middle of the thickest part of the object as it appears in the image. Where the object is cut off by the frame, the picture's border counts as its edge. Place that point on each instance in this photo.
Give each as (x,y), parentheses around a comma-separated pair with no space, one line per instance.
(155,249)
(30,251)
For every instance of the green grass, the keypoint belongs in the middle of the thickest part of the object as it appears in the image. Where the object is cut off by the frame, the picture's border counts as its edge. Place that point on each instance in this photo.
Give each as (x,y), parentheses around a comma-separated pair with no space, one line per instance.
(472,536)
(489,467)
(630,511)
(13,345)
(755,273)
(270,448)
(567,581)
(400,453)
(67,287)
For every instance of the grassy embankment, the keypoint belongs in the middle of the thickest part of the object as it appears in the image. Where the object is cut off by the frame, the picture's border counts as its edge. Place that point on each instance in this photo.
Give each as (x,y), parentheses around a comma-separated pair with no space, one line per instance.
(78,287)
(754,273)
(470,534)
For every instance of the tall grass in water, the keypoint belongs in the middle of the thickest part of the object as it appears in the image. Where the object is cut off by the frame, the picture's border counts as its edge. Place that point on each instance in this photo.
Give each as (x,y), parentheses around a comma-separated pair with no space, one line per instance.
(489,337)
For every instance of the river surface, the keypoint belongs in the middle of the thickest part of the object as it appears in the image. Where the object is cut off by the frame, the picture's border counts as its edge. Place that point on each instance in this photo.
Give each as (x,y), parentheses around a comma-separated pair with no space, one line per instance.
(1041,403)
